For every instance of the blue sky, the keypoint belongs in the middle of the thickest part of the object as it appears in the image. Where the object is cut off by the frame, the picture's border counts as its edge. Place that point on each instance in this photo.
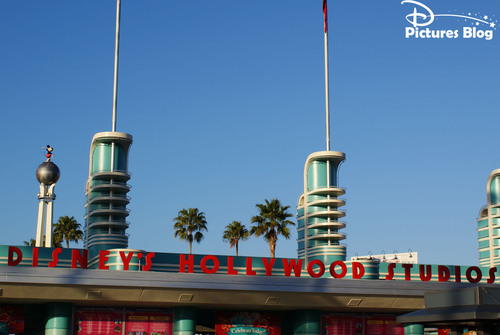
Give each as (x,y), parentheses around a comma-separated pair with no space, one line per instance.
(225,100)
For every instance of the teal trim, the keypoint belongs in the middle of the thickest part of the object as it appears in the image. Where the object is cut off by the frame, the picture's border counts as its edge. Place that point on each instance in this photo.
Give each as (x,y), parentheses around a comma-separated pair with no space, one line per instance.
(313,243)
(184,321)
(96,231)
(101,158)
(484,244)
(314,209)
(329,259)
(495,190)
(58,332)
(317,220)
(306,322)
(316,197)
(482,223)
(59,319)
(316,175)
(371,267)
(484,254)
(414,329)
(115,261)
(333,174)
(482,233)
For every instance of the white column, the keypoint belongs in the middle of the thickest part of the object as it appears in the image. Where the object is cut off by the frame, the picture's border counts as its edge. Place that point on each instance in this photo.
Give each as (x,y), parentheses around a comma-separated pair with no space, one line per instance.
(50,216)
(40,226)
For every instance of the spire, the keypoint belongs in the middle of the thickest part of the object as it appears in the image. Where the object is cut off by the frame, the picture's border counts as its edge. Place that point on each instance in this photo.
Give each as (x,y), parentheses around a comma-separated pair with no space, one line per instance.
(117,51)
(327,93)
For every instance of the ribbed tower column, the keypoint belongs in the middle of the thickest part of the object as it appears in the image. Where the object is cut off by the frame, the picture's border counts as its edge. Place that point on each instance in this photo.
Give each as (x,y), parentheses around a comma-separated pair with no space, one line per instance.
(488,223)
(106,193)
(318,212)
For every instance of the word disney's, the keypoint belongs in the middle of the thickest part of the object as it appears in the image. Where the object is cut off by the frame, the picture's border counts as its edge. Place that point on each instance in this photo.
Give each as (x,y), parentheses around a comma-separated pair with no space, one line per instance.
(466,33)
(79,258)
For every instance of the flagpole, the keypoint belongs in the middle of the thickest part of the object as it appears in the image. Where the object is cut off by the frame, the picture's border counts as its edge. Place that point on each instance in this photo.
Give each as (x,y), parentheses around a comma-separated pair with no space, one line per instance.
(327,94)
(117,48)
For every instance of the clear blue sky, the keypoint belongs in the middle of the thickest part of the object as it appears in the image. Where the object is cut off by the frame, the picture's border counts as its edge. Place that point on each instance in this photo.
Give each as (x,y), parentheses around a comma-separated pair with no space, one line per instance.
(225,100)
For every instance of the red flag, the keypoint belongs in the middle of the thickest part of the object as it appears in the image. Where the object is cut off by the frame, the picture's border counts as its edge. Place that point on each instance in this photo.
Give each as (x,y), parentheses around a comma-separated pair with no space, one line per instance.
(326,15)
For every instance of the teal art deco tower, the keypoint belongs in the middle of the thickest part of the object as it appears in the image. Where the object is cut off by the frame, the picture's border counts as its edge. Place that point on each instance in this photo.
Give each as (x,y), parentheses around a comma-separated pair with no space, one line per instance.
(106,193)
(488,223)
(106,190)
(319,208)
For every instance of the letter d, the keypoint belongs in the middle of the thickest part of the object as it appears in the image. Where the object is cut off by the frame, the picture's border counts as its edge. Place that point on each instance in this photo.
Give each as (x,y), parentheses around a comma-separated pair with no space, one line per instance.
(19,256)
(443,273)
(358,270)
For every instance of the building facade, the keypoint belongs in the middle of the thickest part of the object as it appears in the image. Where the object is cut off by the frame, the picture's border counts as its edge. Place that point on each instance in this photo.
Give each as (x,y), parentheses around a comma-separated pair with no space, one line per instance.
(488,223)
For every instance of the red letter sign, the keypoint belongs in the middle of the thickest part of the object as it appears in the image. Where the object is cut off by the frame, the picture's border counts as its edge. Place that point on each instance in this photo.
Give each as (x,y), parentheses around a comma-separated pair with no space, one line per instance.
(77,257)
(358,270)
(183,262)
(296,266)
(342,273)
(55,257)
(19,256)
(203,264)
(310,268)
(479,274)
(443,273)
(103,258)
(268,264)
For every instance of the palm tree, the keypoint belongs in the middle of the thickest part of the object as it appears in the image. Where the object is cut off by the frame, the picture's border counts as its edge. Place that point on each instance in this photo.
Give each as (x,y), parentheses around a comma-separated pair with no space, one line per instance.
(67,229)
(235,232)
(271,222)
(30,243)
(55,242)
(188,225)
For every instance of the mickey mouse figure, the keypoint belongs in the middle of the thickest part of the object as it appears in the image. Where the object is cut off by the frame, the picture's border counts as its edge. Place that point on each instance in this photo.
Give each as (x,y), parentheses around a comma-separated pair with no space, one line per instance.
(49,152)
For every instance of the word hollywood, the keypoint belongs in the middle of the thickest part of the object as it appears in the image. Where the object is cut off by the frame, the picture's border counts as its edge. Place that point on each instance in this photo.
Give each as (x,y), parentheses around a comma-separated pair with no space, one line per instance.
(423,16)
(211,264)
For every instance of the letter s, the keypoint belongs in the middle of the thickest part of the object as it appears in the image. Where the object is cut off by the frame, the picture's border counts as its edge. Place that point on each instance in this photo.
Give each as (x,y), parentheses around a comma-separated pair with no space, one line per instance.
(55,257)
(149,263)
(390,269)
(492,271)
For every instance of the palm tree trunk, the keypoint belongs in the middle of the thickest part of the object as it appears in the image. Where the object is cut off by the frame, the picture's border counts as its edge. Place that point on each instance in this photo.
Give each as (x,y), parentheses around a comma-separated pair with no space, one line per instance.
(272,246)
(236,249)
(190,244)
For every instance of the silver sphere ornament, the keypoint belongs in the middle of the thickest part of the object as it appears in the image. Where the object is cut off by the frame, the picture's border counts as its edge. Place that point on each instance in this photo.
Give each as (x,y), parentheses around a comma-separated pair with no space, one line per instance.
(48,173)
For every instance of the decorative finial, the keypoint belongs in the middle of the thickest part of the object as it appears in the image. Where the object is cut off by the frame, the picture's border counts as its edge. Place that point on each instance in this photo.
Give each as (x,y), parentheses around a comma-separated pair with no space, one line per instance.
(49,152)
